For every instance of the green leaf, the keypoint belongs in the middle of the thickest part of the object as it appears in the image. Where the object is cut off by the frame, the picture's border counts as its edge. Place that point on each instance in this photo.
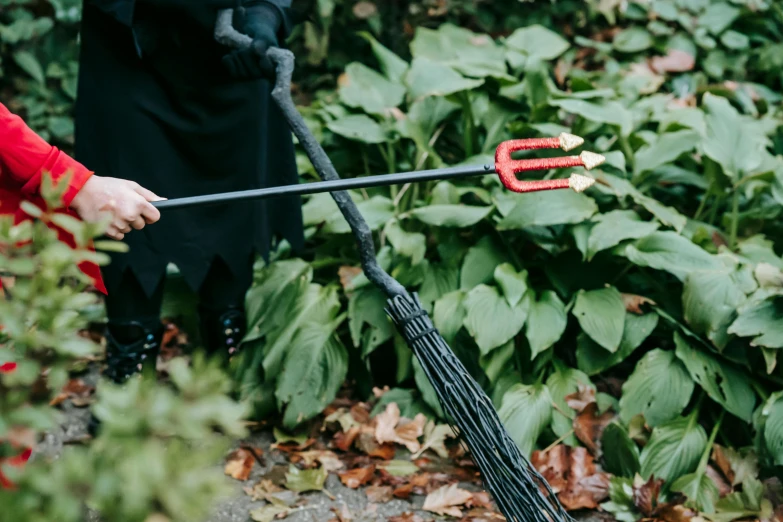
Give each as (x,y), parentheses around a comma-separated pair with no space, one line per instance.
(615,227)
(562,382)
(748,503)
(439,280)
(428,78)
(773,428)
(365,89)
(513,283)
(674,449)
(545,208)
(731,141)
(718,17)
(632,40)
(490,319)
(301,480)
(30,64)
(392,65)
(366,306)
(479,264)
(611,113)
(399,468)
(474,55)
(409,402)
(659,388)
(377,211)
(621,456)
(762,320)
(546,322)
(593,359)
(525,411)
(269,513)
(496,362)
(700,489)
(666,149)
(358,127)
(671,252)
(313,371)
(537,42)
(710,301)
(735,41)
(455,216)
(408,244)
(449,314)
(601,314)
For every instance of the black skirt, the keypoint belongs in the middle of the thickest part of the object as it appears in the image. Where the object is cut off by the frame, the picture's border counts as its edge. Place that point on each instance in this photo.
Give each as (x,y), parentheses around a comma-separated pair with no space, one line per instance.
(168,117)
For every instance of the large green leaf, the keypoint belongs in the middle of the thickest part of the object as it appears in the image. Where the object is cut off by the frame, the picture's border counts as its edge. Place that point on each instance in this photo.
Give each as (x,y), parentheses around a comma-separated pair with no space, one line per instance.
(377,211)
(674,449)
(773,427)
(611,113)
(700,489)
(593,359)
(621,456)
(314,369)
(565,381)
(439,280)
(449,314)
(358,127)
(29,64)
(546,322)
(490,319)
(409,244)
(497,362)
(513,283)
(601,314)
(710,301)
(632,40)
(748,503)
(671,252)
(456,216)
(762,320)
(659,388)
(666,149)
(365,89)
(366,306)
(615,227)
(480,263)
(731,141)
(525,411)
(428,78)
(554,207)
(537,42)
(725,384)
(469,53)
(392,65)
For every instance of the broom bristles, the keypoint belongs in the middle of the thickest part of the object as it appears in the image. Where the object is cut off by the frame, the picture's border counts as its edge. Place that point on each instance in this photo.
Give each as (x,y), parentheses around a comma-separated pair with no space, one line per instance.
(521,493)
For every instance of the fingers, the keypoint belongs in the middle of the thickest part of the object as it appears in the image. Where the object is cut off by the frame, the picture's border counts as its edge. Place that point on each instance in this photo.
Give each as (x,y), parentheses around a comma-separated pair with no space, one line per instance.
(114,233)
(150,213)
(146,193)
(138,223)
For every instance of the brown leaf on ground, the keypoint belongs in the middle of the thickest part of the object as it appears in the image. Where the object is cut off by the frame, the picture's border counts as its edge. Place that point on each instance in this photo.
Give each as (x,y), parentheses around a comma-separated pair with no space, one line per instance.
(588,426)
(361,412)
(633,303)
(482,515)
(292,447)
(674,61)
(367,443)
(340,420)
(735,465)
(672,513)
(379,494)
(239,464)
(481,499)
(389,427)
(378,392)
(314,458)
(344,440)
(645,496)
(573,476)
(584,396)
(406,517)
(724,488)
(435,436)
(447,500)
(342,513)
(267,490)
(77,391)
(357,477)
(348,273)
(403,491)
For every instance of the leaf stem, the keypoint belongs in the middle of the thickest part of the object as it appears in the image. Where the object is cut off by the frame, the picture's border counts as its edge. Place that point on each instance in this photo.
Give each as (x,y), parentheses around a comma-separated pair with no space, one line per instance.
(734,218)
(705,457)
(625,145)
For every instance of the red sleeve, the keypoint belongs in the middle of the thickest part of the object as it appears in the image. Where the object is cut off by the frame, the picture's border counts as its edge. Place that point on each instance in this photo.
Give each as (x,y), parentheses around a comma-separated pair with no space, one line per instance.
(25,156)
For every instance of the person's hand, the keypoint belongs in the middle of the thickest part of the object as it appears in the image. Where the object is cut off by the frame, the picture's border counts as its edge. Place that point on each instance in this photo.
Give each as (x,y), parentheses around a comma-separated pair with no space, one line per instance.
(261,21)
(125,201)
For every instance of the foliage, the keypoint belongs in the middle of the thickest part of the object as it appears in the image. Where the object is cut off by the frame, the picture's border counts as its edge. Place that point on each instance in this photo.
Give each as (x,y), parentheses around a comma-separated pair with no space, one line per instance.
(158,443)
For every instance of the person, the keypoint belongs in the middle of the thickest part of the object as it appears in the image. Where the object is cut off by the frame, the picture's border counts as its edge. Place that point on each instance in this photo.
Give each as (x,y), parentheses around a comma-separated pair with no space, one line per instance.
(25,157)
(160,102)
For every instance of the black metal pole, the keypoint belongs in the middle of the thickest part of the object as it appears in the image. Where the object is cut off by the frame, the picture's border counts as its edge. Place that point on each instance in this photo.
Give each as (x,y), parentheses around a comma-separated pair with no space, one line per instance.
(328,186)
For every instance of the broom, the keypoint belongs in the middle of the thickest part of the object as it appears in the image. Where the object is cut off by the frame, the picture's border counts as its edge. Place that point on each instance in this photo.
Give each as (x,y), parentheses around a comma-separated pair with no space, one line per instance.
(520,492)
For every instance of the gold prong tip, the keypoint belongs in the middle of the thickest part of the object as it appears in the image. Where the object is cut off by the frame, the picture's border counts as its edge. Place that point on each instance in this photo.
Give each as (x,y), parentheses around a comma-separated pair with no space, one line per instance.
(580,183)
(569,141)
(591,160)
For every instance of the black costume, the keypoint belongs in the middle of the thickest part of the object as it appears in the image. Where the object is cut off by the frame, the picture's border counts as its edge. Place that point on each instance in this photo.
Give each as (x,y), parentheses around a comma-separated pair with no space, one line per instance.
(157,105)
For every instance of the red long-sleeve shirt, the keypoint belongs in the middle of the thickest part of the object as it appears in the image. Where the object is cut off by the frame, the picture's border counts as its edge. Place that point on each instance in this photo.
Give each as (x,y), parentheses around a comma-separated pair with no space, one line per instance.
(24,158)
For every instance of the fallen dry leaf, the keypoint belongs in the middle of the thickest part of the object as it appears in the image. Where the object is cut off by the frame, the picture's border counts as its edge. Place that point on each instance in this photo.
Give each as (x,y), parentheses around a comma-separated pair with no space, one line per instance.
(673,513)
(267,490)
(389,427)
(269,513)
(404,491)
(480,499)
(406,517)
(343,514)
(633,303)
(447,500)
(239,464)
(343,417)
(312,459)
(482,515)
(645,495)
(347,273)
(584,396)
(361,412)
(357,477)
(364,10)
(378,494)
(367,443)
(344,440)
(588,426)
(674,61)
(573,476)
(378,392)
(435,436)
(736,466)
(77,391)
(724,488)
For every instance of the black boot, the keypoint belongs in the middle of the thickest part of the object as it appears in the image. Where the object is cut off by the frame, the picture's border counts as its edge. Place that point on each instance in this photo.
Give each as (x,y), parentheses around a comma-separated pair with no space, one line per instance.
(131,347)
(223,330)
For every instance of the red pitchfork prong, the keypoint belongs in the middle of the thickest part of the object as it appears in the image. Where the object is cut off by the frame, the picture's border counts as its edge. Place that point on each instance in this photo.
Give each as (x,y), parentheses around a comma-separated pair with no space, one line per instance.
(507,167)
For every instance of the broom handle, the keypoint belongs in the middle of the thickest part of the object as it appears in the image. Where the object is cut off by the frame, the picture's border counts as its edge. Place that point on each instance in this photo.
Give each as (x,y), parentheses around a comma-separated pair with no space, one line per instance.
(284,66)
